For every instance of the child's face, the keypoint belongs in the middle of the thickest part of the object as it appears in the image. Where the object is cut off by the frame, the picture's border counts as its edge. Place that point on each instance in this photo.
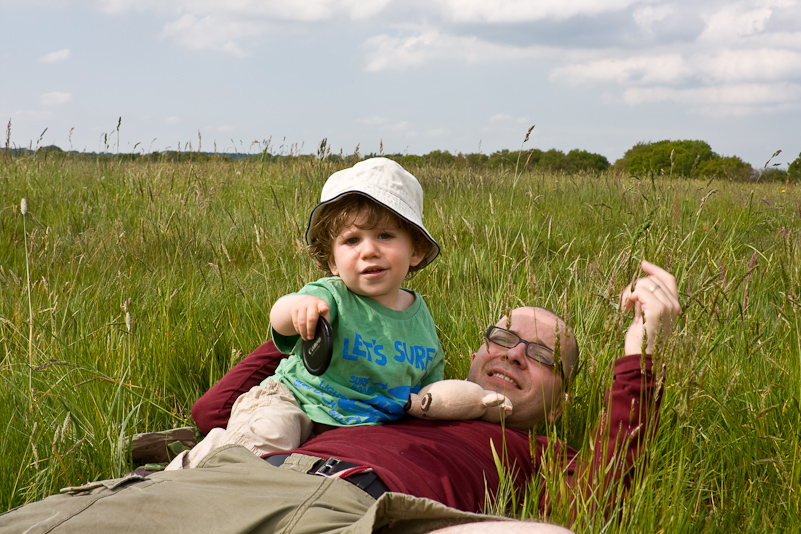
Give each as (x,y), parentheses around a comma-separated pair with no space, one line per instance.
(374,262)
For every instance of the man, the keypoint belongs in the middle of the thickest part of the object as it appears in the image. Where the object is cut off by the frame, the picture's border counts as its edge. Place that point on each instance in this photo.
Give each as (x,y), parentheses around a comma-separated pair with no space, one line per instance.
(409,476)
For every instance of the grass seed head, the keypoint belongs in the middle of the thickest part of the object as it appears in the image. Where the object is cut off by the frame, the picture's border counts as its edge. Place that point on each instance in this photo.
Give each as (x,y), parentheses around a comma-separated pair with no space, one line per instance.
(528,133)
(23,206)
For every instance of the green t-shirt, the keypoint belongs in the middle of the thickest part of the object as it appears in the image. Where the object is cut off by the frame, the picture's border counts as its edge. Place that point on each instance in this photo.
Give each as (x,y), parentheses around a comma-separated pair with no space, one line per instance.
(380,357)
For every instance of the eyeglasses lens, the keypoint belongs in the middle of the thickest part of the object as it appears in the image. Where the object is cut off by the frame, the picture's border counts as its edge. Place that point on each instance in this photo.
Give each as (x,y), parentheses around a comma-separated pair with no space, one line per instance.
(509,340)
(503,338)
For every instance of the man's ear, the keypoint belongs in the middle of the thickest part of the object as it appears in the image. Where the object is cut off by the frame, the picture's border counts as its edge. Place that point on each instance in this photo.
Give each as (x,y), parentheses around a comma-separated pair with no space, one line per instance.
(332,266)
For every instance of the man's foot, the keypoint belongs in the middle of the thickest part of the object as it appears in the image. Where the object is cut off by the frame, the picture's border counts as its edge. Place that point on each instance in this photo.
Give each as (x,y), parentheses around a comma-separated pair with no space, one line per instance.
(161,447)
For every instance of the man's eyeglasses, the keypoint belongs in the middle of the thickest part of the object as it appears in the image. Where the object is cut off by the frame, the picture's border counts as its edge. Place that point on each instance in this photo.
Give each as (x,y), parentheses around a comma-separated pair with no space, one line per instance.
(534,351)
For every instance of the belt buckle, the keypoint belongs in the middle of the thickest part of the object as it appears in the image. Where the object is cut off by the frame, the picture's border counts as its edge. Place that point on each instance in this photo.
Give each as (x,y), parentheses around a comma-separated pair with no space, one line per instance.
(327,468)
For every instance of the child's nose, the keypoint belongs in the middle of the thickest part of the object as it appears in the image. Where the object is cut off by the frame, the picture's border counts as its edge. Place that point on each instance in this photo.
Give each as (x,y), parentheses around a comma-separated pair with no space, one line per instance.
(369,247)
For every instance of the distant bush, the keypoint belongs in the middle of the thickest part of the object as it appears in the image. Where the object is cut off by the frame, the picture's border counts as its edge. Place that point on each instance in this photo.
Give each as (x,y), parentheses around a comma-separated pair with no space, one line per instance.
(520,160)
(49,148)
(675,158)
(794,170)
(730,168)
(685,158)
(553,160)
(587,161)
(506,158)
(771,175)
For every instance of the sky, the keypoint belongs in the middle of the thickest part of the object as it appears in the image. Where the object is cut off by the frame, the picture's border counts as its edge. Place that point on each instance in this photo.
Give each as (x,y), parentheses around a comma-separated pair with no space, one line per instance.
(402,76)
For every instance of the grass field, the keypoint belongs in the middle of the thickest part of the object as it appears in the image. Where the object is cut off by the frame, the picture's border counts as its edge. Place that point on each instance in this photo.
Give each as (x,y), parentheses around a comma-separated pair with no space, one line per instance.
(129,288)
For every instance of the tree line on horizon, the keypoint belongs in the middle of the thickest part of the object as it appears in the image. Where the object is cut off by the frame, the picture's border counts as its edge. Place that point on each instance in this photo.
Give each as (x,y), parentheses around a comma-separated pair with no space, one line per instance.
(680,159)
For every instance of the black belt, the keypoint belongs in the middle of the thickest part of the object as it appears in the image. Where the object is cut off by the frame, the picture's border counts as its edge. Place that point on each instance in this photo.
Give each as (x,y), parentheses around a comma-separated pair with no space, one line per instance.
(363,478)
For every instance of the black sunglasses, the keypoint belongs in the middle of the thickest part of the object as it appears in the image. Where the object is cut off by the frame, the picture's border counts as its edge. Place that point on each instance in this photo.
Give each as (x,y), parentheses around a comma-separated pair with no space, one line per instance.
(534,351)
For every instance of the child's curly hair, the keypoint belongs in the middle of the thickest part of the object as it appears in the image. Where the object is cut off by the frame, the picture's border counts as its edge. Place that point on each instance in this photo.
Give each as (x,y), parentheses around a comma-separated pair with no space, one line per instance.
(342,213)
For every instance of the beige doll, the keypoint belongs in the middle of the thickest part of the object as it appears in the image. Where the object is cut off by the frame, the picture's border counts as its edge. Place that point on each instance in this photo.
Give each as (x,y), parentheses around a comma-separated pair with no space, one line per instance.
(457,400)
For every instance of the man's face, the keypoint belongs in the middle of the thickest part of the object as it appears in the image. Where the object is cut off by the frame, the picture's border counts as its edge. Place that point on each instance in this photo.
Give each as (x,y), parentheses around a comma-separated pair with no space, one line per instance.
(534,389)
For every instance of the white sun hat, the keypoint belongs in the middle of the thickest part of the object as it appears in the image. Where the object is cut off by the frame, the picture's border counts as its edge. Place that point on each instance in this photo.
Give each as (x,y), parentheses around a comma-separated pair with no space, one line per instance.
(386,182)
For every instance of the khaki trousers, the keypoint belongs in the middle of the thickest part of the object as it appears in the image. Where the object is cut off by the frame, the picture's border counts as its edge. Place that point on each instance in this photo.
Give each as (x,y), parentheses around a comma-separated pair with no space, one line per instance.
(231,492)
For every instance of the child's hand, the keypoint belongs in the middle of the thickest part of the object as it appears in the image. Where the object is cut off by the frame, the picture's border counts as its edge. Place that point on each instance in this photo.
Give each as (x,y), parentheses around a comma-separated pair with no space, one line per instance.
(305,310)
(298,314)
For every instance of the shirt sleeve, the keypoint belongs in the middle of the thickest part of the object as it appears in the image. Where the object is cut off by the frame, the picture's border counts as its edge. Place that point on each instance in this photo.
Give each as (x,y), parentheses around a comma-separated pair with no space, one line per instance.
(621,440)
(286,344)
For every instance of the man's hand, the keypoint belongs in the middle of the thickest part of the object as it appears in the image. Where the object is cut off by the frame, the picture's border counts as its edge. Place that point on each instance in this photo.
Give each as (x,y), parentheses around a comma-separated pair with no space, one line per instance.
(298,314)
(655,300)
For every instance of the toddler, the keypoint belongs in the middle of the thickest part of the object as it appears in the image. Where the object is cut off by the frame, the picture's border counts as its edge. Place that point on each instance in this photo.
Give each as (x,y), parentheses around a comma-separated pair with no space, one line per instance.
(368,233)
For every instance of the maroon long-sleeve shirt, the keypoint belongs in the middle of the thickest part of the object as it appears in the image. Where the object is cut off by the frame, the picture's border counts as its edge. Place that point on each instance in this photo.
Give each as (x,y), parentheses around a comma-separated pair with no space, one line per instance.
(452,461)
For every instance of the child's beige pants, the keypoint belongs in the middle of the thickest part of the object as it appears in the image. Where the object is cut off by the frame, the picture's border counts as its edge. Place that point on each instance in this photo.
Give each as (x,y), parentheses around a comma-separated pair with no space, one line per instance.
(265,419)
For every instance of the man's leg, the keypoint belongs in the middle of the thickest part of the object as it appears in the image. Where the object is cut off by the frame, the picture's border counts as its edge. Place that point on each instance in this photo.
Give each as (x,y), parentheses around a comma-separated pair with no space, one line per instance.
(396,513)
(232,492)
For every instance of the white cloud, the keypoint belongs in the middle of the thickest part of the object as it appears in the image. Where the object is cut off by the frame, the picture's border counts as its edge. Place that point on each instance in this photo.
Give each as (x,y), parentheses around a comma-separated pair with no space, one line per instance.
(121,6)
(397,53)
(55,98)
(735,21)
(726,100)
(172,119)
(779,40)
(228,26)
(210,33)
(655,69)
(364,9)
(736,66)
(742,61)
(503,117)
(286,10)
(646,16)
(749,65)
(723,66)
(516,11)
(372,120)
(53,57)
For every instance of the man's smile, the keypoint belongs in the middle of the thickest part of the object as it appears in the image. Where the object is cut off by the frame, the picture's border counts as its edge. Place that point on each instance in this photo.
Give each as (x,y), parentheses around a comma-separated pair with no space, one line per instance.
(503,376)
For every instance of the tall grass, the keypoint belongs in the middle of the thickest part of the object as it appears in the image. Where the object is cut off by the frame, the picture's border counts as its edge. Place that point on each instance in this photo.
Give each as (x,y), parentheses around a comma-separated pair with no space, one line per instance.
(196,253)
